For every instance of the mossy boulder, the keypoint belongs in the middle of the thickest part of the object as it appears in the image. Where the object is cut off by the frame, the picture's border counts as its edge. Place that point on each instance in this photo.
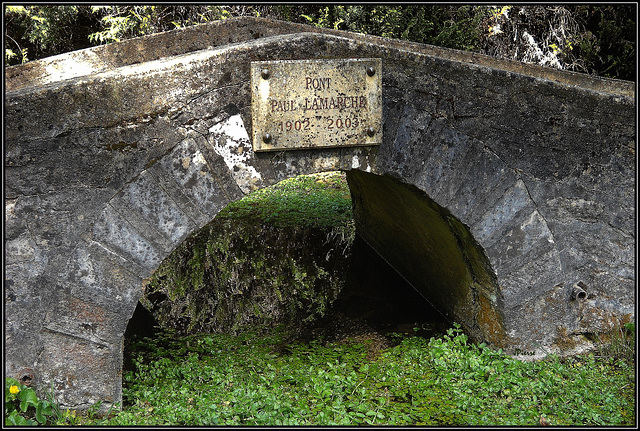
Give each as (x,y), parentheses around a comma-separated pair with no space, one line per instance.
(250,267)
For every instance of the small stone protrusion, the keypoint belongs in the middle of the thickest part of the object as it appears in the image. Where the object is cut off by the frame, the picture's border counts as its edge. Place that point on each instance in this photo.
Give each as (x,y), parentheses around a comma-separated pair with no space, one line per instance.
(578,292)
(26,377)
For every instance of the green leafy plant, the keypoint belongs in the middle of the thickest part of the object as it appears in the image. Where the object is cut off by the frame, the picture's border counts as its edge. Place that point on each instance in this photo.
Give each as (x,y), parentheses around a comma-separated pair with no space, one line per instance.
(125,22)
(23,407)
(259,378)
(44,30)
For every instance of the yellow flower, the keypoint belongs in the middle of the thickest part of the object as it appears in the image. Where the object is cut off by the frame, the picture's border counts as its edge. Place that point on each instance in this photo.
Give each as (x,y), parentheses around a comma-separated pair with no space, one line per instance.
(14,389)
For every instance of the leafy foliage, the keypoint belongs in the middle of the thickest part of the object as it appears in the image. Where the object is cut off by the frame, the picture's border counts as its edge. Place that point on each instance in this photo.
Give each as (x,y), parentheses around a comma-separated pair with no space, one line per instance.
(125,22)
(607,45)
(583,38)
(33,32)
(443,25)
(595,39)
(252,380)
(23,407)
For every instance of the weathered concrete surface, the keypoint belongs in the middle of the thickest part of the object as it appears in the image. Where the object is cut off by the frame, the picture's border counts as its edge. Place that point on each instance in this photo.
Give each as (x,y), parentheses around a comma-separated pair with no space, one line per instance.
(530,171)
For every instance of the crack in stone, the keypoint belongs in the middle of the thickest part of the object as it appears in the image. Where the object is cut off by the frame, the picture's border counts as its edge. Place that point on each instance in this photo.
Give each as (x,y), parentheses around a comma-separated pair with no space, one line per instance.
(96,340)
(620,231)
(520,175)
(193,99)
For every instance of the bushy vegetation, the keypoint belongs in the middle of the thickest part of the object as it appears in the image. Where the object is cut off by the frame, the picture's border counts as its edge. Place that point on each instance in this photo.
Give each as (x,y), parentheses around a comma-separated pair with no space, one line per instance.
(254,379)
(591,38)
(22,407)
(259,380)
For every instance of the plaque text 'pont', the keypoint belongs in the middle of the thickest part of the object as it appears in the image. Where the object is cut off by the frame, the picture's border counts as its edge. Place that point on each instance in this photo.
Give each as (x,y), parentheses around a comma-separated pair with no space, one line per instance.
(316,103)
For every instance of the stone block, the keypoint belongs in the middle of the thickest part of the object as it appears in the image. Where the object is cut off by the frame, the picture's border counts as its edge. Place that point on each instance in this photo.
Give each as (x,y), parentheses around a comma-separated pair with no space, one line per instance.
(86,320)
(146,205)
(105,278)
(115,233)
(188,179)
(81,372)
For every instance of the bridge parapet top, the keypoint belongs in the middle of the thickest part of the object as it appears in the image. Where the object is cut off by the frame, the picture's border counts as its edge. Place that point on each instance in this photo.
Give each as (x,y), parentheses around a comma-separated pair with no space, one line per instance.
(242,29)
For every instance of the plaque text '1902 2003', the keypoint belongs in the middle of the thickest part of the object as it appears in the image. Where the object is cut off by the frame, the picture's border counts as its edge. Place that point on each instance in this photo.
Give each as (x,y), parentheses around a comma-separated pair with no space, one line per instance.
(316,103)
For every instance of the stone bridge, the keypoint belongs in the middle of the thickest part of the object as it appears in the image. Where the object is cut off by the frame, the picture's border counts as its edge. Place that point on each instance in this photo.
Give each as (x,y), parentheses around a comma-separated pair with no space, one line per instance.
(504,192)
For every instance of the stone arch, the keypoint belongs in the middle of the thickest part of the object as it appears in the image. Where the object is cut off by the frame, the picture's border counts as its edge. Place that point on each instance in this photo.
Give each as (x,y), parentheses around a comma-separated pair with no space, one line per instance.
(139,226)
(488,201)
(531,172)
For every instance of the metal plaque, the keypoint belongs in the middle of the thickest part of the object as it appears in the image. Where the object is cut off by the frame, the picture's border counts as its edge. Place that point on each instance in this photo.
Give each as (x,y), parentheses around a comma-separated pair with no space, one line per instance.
(316,103)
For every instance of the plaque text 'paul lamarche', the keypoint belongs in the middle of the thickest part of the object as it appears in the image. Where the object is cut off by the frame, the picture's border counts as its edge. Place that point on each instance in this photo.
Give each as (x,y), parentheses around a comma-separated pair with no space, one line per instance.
(316,103)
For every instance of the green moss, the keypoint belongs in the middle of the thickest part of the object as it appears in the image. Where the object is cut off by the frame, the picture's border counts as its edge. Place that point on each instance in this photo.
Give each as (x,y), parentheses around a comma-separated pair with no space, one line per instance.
(241,270)
(320,200)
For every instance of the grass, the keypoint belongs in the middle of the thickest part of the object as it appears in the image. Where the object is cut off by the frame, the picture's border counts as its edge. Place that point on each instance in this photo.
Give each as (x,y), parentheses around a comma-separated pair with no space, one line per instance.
(320,200)
(259,380)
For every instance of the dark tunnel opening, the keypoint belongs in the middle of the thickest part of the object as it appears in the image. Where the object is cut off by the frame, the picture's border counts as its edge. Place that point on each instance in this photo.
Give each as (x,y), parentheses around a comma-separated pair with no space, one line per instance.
(376,299)
(433,251)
